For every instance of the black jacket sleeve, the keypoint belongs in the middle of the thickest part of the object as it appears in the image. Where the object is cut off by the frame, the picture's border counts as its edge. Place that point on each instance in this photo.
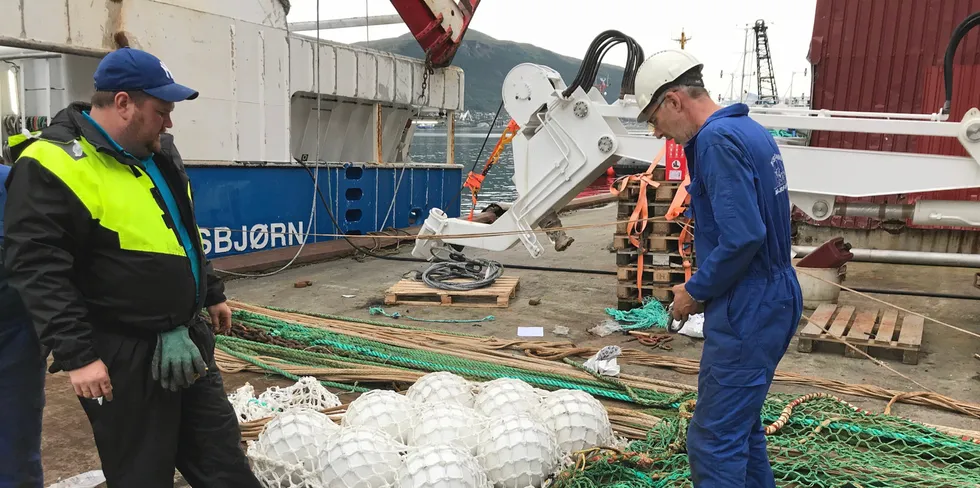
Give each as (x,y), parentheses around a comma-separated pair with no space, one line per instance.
(216,287)
(45,225)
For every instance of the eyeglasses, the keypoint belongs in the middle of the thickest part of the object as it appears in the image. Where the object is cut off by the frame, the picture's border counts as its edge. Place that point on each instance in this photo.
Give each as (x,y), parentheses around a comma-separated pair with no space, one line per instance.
(652,121)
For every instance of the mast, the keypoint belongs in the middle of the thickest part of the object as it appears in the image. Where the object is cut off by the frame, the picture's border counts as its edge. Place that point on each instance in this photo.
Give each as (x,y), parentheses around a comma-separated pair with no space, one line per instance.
(766,77)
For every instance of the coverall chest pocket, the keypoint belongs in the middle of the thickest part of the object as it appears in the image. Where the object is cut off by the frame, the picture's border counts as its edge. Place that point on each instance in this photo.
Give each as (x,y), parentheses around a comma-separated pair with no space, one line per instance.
(704,217)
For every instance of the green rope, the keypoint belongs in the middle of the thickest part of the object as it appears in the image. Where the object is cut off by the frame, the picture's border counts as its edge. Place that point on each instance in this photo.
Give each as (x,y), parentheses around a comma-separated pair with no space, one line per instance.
(651,314)
(396,315)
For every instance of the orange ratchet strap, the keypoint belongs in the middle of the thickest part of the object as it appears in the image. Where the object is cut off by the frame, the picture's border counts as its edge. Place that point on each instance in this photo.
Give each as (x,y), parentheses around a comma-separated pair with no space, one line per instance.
(677,207)
(640,213)
(473,180)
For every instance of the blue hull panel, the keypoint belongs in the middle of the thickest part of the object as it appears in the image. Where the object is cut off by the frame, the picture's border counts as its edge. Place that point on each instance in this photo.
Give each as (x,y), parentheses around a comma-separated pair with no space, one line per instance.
(246,209)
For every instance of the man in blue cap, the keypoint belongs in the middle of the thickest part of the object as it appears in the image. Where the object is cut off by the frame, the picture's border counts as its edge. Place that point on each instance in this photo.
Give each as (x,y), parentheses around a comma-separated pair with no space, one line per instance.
(103,248)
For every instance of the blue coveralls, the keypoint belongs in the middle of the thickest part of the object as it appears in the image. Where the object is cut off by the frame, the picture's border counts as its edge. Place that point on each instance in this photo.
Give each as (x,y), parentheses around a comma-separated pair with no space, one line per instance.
(21,383)
(753,302)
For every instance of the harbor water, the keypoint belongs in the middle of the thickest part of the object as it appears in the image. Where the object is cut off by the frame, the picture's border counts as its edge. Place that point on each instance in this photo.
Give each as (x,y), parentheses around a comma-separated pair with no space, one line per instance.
(498,186)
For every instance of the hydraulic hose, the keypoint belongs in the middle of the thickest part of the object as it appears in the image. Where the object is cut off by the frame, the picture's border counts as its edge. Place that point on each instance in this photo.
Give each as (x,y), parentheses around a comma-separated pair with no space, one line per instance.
(592,61)
(961,30)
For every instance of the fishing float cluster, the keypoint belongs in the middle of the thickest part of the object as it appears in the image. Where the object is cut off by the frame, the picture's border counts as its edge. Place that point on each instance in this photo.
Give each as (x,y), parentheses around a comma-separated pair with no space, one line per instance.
(445,432)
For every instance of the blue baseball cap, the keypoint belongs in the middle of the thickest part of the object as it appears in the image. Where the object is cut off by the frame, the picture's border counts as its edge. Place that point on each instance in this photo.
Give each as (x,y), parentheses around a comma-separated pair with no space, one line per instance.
(128,69)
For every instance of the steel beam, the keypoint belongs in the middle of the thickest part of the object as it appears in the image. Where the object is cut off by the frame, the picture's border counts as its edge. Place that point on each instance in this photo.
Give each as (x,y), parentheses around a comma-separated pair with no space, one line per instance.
(345,23)
(948,259)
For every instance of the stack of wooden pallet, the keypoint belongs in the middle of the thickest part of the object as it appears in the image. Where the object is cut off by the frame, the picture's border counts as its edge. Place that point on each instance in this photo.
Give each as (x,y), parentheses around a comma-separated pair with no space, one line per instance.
(663,263)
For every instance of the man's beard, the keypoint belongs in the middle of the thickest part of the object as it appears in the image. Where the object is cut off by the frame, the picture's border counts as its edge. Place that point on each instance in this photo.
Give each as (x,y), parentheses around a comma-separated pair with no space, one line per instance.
(142,144)
(154,146)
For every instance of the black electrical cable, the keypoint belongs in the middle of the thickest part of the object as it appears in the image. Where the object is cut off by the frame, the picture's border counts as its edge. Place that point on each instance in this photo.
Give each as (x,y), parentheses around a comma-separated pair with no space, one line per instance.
(364,250)
(481,272)
(961,30)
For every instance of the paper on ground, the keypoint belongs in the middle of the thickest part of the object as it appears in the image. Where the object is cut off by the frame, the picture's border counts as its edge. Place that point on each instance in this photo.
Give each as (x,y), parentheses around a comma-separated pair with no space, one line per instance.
(530,331)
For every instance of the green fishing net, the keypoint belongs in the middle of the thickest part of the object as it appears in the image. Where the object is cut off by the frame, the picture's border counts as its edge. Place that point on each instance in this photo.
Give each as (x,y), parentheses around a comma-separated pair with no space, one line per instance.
(825,443)
(651,314)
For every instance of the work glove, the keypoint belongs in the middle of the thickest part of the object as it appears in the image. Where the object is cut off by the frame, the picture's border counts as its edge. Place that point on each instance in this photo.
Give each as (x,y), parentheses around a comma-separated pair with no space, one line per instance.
(177,361)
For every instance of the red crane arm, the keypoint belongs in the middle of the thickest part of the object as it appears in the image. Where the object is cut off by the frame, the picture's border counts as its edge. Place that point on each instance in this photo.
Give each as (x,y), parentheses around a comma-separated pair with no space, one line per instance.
(438,25)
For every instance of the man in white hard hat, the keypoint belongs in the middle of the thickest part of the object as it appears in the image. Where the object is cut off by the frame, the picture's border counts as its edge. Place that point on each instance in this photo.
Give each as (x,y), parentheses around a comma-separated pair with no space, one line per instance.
(745,278)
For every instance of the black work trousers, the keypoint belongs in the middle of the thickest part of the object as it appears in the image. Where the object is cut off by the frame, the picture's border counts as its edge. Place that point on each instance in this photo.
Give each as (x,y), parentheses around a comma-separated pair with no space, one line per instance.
(147,431)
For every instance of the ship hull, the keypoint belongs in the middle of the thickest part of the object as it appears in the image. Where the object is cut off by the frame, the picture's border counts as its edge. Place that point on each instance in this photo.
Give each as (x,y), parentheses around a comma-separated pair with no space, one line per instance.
(246,209)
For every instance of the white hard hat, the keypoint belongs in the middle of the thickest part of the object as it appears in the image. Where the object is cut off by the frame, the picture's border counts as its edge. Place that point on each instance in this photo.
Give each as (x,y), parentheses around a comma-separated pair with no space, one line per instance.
(659,72)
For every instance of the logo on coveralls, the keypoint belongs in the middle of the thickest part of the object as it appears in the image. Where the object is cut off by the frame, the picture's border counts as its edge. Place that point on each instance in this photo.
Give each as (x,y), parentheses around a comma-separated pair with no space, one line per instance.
(780,172)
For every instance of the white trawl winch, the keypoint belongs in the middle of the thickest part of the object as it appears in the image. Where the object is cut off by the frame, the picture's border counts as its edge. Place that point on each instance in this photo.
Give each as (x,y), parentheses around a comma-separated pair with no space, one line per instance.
(570,135)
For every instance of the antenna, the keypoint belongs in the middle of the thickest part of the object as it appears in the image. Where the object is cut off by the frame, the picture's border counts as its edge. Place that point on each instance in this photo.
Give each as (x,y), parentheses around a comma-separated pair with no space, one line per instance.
(683,39)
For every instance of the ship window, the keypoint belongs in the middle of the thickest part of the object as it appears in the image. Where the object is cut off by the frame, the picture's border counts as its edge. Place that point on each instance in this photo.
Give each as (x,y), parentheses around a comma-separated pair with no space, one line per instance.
(413,215)
(354,173)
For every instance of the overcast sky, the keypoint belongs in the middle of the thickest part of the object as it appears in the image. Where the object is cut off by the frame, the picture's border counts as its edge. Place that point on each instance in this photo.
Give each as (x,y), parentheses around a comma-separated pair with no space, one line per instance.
(716,29)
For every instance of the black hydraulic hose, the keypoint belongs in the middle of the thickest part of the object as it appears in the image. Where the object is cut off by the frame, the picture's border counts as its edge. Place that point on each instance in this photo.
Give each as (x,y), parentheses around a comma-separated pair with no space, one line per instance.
(333,218)
(961,30)
(634,60)
(592,61)
(583,68)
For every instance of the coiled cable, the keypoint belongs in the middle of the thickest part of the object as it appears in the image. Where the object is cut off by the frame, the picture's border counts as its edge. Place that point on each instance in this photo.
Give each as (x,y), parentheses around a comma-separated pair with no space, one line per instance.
(482,272)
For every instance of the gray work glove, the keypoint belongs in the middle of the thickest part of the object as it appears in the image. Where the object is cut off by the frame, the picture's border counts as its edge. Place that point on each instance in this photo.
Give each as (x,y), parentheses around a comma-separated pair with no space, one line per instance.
(177,361)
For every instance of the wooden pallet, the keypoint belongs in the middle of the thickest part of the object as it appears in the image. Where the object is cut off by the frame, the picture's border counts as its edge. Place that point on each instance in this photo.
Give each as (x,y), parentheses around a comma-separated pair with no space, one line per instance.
(659,228)
(625,209)
(652,275)
(660,291)
(663,193)
(654,243)
(629,257)
(868,329)
(411,292)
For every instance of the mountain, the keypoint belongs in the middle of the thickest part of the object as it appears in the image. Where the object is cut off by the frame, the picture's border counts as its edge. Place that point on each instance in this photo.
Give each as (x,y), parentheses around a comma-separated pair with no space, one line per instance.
(485,61)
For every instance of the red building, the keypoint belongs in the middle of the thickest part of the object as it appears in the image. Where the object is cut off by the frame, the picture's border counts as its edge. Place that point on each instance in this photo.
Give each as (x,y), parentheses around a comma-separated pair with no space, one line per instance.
(887,56)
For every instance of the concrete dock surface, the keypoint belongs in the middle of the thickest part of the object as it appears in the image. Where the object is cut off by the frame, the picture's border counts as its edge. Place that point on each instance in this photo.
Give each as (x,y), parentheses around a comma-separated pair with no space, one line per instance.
(349,287)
